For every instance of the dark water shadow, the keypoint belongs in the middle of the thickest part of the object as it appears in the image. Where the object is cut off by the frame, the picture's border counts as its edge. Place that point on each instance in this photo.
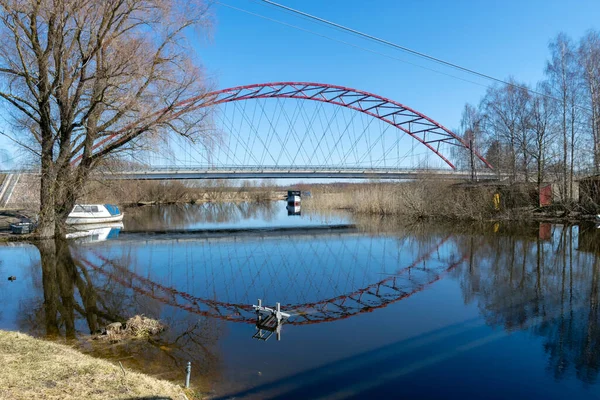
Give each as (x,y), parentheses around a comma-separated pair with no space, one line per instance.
(331,377)
(77,305)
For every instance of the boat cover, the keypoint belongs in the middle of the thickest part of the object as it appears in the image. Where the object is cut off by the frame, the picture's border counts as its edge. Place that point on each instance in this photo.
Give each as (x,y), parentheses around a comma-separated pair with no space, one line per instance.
(113,233)
(112,209)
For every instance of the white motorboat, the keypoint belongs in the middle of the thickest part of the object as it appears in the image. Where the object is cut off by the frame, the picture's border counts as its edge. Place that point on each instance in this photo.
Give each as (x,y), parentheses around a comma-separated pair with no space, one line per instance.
(94,214)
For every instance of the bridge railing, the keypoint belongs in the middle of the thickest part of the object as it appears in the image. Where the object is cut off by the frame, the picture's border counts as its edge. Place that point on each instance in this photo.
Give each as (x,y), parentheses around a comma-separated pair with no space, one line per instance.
(327,168)
(265,169)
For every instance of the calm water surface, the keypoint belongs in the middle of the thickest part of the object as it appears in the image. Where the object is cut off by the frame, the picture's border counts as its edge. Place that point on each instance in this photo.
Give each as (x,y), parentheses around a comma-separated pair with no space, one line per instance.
(394,311)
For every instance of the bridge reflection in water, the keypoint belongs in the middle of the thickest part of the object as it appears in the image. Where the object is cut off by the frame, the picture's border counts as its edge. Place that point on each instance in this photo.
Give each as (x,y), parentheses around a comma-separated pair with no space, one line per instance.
(544,283)
(316,277)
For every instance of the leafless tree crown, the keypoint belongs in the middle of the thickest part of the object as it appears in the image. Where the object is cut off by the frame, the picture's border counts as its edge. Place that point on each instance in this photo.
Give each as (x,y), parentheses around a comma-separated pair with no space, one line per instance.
(74,72)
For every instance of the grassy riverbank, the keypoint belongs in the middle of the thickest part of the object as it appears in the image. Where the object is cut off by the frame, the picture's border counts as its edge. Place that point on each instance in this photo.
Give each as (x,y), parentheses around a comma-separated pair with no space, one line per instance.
(165,192)
(440,200)
(411,199)
(34,368)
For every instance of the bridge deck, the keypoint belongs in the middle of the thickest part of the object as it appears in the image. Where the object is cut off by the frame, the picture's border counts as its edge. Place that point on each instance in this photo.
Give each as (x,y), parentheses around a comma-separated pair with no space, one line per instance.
(282,172)
(306,172)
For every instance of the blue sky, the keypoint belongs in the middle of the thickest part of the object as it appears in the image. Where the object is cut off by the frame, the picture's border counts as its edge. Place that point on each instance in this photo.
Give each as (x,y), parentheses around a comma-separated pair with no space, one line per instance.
(508,38)
(502,39)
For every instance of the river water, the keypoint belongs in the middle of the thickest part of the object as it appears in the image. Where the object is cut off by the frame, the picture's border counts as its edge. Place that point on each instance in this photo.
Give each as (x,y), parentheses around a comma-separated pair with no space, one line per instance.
(377,308)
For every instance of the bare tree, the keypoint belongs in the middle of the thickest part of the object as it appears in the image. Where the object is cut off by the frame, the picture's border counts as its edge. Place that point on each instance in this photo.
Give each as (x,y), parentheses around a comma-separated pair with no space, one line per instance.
(562,73)
(471,127)
(588,55)
(541,127)
(85,79)
(524,137)
(496,154)
(552,128)
(503,108)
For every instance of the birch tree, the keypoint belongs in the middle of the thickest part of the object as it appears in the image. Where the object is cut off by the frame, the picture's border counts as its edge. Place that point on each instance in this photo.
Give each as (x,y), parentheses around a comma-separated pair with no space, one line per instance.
(471,126)
(503,108)
(561,71)
(541,127)
(589,60)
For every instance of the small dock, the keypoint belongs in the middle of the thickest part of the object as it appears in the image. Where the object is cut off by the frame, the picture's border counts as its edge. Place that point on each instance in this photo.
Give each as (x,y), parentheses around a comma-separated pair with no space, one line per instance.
(268,321)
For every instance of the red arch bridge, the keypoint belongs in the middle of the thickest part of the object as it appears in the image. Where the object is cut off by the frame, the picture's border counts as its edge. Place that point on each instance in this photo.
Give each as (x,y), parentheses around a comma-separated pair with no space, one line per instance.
(303,130)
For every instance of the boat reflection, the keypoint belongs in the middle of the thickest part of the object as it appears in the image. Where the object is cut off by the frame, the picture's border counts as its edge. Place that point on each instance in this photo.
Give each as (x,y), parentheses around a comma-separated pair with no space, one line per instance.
(293,209)
(95,232)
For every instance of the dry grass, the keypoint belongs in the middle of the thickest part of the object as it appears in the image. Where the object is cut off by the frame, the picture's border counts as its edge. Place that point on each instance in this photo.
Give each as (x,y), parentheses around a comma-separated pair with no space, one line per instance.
(134,192)
(421,199)
(141,327)
(137,327)
(131,192)
(38,369)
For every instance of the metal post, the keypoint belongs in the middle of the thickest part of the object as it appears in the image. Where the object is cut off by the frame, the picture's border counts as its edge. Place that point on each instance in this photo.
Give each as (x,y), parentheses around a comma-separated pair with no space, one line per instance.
(472,160)
(188,372)
(259,302)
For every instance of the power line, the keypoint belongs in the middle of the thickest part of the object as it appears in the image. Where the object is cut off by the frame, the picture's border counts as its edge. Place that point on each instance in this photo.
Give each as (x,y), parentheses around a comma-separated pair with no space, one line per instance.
(387,42)
(411,51)
(346,43)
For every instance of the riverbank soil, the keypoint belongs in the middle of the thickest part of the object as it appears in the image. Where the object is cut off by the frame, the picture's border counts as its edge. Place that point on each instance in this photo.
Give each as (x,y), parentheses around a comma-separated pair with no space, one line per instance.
(34,368)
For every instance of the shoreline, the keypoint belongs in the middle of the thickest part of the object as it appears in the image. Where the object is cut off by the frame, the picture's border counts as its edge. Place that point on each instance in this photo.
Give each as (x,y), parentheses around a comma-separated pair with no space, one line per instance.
(529,215)
(38,368)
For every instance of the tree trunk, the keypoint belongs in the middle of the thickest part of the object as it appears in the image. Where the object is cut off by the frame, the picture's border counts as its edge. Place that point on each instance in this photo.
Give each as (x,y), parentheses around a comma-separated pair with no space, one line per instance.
(513,157)
(540,177)
(595,130)
(565,150)
(526,165)
(58,197)
(66,195)
(47,216)
(596,116)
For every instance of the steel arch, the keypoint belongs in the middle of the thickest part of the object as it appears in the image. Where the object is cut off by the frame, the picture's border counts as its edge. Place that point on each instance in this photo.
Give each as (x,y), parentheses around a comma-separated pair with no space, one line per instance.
(422,128)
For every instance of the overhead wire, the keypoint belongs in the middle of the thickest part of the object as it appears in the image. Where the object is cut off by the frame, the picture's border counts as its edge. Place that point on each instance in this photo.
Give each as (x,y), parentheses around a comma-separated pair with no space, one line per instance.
(345,42)
(299,113)
(411,51)
(389,44)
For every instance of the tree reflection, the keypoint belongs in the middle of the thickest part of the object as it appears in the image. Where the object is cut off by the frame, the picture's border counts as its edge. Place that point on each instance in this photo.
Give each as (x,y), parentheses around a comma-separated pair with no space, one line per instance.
(69,294)
(77,302)
(182,216)
(545,286)
(522,278)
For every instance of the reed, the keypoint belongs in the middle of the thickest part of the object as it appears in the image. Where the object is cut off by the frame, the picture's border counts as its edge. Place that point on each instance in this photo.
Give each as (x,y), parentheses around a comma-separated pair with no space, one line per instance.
(422,199)
(134,192)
